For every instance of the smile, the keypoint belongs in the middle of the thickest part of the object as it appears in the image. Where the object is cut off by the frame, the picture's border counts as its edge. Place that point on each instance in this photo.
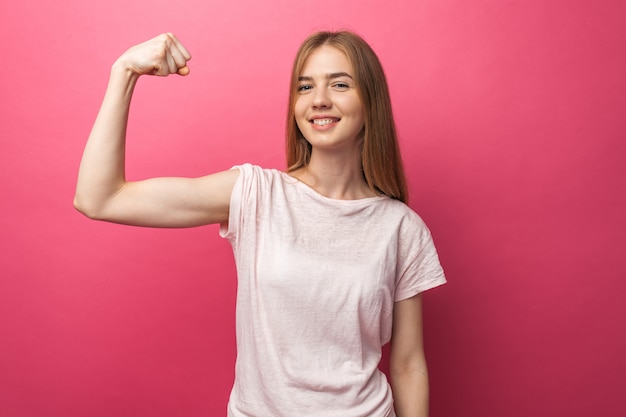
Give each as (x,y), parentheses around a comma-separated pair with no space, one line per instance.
(324,122)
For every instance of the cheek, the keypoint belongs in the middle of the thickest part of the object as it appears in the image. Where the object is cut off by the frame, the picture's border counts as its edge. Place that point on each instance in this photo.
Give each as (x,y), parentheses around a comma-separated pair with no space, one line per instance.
(357,115)
(299,107)
(299,112)
(298,116)
(302,126)
(358,111)
(353,106)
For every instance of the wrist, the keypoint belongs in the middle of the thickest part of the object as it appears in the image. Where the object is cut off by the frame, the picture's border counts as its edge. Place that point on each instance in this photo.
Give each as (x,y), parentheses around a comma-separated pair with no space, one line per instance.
(122,80)
(122,69)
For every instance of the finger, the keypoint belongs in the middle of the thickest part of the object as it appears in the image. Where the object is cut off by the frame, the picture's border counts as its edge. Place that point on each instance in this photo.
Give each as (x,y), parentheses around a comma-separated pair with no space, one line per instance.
(171,63)
(178,56)
(183,71)
(160,56)
(179,45)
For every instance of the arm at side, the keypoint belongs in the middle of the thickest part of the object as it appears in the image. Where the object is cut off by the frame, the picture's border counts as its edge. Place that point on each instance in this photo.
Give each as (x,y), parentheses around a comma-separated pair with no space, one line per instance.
(408,370)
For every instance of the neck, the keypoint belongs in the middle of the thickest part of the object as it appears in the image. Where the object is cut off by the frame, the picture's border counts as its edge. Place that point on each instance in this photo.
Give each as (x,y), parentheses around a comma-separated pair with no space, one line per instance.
(335,176)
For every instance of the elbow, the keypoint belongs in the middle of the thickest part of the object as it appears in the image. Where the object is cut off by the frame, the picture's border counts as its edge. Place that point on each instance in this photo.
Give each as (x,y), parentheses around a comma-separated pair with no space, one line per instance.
(94,205)
(410,364)
(83,206)
(403,372)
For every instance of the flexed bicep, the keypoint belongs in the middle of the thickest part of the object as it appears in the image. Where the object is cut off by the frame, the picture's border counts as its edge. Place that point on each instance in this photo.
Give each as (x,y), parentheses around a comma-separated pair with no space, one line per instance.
(102,191)
(172,202)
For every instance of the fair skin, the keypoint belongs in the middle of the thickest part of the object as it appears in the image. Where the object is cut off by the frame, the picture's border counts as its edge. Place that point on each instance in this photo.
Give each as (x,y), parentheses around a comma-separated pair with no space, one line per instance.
(407,361)
(329,114)
(102,191)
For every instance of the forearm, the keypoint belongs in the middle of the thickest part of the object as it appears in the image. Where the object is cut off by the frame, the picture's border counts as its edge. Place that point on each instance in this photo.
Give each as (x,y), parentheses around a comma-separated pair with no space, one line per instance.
(102,173)
(410,392)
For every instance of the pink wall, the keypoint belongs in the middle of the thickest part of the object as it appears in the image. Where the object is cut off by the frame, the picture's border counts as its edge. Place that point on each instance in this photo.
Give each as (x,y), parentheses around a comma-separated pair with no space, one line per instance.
(511,115)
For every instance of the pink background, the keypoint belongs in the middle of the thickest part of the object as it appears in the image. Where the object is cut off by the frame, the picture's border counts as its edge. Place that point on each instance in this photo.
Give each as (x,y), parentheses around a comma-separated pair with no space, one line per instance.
(512,121)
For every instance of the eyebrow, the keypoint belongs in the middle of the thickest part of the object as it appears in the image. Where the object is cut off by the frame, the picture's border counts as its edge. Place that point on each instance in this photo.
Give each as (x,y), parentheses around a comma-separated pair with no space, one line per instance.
(330,76)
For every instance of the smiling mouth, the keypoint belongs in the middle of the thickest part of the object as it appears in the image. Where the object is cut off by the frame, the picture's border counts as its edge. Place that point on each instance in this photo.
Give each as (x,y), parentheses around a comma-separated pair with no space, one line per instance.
(324,122)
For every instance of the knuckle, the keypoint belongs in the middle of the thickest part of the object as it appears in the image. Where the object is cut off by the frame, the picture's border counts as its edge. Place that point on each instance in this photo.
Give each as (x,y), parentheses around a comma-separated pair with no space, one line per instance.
(164,39)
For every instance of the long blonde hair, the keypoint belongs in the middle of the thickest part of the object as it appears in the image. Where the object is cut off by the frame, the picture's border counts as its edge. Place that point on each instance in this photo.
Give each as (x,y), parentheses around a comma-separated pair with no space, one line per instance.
(380,156)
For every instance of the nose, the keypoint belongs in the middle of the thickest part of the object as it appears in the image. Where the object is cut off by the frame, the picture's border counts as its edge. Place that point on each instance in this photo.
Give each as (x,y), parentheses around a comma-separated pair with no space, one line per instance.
(321,99)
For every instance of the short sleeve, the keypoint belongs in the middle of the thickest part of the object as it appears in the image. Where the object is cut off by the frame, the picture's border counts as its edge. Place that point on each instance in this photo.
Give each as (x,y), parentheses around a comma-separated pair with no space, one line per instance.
(241,190)
(419,266)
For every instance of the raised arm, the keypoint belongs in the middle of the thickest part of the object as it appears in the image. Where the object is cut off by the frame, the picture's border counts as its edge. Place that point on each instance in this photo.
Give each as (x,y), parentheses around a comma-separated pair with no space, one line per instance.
(102,191)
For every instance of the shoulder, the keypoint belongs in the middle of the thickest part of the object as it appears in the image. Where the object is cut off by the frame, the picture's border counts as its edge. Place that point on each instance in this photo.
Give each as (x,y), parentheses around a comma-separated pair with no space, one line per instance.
(402,213)
(410,230)
(259,181)
(256,171)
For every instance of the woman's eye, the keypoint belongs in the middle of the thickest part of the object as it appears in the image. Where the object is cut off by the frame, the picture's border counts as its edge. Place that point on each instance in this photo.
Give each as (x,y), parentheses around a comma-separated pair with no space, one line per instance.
(341,85)
(305,87)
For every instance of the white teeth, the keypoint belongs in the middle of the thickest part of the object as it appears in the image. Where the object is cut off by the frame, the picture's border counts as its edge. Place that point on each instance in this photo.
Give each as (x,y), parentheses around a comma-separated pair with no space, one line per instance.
(323,122)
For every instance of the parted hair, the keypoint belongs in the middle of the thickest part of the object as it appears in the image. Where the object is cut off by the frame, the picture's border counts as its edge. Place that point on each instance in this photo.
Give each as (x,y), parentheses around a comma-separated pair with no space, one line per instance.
(380,154)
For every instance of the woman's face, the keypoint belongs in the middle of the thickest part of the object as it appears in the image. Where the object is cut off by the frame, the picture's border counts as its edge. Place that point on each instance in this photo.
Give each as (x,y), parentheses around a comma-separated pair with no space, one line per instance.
(328,108)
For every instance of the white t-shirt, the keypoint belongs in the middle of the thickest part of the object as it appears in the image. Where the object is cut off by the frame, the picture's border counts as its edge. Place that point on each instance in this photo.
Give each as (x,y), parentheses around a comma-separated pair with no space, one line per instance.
(317,281)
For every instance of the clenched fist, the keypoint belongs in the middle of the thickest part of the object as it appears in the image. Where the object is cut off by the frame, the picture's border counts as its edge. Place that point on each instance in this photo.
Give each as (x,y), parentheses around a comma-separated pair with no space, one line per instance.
(162,55)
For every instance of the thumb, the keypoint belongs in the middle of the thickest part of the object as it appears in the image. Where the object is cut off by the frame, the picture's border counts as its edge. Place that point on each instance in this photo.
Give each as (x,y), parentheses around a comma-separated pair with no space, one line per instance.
(183,70)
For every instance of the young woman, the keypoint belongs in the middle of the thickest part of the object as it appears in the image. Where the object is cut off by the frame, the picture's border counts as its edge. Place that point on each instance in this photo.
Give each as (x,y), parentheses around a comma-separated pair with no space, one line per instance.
(331,262)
